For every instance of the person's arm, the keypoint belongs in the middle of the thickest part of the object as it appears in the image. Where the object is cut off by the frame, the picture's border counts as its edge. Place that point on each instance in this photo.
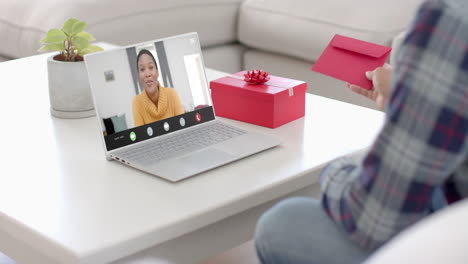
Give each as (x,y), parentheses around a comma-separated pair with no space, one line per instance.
(137,118)
(424,139)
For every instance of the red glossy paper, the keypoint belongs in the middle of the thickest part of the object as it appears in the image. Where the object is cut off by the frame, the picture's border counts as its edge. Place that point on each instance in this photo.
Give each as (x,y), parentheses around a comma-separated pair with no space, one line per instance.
(348,59)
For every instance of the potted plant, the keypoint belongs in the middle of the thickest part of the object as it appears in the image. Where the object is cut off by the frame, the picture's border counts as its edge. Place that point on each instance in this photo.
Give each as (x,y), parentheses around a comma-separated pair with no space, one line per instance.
(69,90)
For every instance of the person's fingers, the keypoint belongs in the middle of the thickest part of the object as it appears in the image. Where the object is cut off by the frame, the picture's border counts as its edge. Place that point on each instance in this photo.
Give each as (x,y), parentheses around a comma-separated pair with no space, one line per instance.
(360,90)
(370,74)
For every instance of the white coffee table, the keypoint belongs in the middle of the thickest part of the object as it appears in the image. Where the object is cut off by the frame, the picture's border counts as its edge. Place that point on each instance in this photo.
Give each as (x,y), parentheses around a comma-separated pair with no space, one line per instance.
(61,201)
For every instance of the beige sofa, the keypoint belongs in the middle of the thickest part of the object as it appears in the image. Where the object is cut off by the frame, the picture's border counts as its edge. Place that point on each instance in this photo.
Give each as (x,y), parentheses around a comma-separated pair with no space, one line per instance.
(438,238)
(282,37)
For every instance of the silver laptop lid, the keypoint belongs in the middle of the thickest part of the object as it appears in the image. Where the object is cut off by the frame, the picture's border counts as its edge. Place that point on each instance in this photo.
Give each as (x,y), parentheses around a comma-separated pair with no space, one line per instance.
(124,88)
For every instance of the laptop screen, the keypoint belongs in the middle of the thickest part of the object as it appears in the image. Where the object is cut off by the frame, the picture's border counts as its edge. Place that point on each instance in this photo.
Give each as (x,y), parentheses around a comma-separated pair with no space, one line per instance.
(149,89)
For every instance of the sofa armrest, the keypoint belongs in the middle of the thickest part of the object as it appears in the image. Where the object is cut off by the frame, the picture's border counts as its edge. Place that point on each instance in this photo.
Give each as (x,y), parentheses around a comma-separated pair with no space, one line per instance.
(439,238)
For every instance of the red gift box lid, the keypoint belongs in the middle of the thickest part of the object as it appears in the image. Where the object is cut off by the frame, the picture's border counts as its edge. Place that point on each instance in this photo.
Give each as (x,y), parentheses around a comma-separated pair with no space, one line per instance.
(265,92)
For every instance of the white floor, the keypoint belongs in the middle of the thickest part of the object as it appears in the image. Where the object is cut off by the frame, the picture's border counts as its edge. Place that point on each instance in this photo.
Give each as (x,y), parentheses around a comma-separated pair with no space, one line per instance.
(244,254)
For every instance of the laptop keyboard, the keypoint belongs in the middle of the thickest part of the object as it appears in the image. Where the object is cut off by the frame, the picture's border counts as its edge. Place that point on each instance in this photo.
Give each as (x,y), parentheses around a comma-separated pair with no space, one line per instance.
(180,143)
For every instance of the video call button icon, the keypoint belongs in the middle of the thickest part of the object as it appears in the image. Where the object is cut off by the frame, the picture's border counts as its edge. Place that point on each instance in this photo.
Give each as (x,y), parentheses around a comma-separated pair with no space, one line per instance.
(149,131)
(182,122)
(166,126)
(132,136)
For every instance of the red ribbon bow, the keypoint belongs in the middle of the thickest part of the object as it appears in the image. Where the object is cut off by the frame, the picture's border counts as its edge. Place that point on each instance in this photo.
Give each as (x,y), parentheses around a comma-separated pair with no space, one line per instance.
(256,77)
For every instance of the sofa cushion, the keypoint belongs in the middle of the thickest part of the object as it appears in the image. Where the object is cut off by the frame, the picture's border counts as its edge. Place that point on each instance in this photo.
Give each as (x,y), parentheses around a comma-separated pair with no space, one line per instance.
(226,58)
(1,60)
(24,22)
(303,28)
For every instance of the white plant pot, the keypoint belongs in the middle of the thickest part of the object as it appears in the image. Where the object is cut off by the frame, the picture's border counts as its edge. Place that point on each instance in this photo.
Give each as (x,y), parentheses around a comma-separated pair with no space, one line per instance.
(69,90)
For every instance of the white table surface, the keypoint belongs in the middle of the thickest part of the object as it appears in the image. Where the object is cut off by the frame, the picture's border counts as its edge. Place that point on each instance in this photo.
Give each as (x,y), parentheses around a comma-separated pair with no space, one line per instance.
(60,197)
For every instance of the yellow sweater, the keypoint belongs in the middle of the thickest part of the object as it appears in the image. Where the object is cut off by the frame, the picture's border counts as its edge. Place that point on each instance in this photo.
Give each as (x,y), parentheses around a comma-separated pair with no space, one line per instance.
(145,111)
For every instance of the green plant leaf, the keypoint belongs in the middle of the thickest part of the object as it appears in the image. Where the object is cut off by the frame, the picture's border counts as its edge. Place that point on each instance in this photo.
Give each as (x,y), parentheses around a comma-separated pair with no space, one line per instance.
(68,25)
(95,48)
(70,39)
(86,35)
(44,48)
(78,27)
(54,36)
(47,47)
(80,43)
(90,49)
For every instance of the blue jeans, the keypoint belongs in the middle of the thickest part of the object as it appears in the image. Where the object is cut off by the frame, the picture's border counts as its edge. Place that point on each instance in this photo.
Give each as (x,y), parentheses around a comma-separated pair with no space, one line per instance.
(297,230)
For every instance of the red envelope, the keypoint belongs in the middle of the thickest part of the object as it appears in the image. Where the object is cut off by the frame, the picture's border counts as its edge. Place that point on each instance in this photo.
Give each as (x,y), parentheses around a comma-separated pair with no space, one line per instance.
(348,59)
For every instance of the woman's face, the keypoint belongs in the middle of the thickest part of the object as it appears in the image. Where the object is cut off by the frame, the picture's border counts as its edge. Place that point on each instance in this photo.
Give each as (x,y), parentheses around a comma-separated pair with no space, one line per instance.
(148,73)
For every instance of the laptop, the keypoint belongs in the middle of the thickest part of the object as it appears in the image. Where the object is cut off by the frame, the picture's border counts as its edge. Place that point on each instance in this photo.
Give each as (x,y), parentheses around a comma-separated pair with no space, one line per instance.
(155,114)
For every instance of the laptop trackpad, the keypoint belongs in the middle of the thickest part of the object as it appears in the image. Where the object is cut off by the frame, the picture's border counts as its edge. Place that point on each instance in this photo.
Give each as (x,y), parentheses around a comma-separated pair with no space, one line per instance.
(205,159)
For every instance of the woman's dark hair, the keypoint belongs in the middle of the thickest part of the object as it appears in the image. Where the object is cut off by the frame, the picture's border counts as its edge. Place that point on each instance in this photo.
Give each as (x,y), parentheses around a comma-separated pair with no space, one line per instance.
(145,51)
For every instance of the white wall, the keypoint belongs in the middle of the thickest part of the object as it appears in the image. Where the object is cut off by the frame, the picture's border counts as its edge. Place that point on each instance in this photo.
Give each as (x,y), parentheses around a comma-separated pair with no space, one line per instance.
(112,97)
(176,49)
(197,79)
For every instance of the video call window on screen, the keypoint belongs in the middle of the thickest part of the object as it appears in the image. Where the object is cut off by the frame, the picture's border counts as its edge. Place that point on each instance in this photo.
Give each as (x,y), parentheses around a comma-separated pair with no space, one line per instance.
(148,83)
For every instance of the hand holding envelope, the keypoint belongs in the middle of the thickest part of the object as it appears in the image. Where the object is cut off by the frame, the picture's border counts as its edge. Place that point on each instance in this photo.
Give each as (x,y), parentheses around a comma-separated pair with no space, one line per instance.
(381,79)
(348,59)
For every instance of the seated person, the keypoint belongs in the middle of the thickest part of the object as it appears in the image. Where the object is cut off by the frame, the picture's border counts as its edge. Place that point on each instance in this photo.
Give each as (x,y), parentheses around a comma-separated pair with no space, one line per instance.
(417,164)
(155,102)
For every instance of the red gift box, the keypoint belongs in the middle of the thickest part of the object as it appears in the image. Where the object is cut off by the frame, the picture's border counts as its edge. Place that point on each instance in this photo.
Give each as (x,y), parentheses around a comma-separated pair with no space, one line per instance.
(272,104)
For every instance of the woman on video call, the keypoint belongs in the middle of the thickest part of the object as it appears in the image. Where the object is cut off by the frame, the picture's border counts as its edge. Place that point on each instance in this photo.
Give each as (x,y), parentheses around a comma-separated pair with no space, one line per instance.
(155,102)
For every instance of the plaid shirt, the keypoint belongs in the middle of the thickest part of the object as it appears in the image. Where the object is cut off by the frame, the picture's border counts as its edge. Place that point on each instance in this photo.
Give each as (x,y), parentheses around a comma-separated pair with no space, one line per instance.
(423,144)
